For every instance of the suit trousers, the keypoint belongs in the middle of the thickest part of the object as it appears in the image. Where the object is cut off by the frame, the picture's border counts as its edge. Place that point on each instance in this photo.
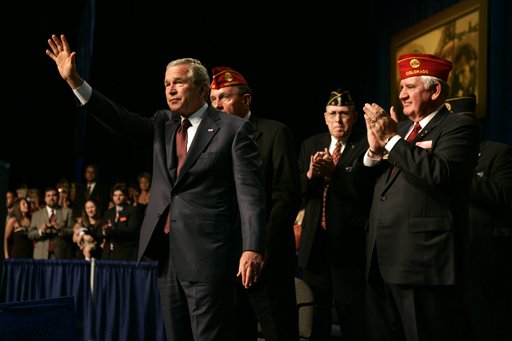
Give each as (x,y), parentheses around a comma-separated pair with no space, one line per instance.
(196,310)
(398,312)
(272,303)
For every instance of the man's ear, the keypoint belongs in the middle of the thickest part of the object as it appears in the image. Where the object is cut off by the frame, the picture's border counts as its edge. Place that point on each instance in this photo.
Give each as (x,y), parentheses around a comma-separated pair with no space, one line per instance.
(436,91)
(247,99)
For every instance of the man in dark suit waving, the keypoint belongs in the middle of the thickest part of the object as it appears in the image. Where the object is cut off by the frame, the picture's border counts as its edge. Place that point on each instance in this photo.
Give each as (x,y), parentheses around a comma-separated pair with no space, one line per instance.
(419,215)
(191,219)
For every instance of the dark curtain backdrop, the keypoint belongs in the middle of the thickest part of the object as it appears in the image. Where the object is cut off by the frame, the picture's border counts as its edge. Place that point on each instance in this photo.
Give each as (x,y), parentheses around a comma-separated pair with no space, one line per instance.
(123,305)
(292,56)
(498,125)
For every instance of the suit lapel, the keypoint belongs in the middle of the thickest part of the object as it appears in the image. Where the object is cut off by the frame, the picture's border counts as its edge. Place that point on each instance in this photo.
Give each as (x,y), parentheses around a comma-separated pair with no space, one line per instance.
(257,133)
(351,147)
(402,131)
(171,126)
(207,129)
(425,131)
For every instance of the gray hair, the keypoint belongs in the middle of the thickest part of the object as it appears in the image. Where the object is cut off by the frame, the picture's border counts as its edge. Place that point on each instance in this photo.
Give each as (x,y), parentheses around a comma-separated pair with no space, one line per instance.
(197,72)
(430,81)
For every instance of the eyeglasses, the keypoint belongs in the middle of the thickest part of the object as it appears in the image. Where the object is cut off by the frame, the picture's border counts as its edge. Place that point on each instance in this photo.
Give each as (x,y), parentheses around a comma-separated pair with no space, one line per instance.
(333,115)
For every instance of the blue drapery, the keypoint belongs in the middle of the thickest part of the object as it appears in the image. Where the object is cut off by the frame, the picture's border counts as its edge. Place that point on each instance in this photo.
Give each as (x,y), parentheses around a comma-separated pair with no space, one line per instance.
(121,303)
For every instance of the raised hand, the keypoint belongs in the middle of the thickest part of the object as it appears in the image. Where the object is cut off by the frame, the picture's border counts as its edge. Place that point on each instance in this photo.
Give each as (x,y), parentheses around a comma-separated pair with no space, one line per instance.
(61,54)
(380,126)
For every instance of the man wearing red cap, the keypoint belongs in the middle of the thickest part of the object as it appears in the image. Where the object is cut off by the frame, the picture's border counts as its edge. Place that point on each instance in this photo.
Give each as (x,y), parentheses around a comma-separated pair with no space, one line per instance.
(271,301)
(419,214)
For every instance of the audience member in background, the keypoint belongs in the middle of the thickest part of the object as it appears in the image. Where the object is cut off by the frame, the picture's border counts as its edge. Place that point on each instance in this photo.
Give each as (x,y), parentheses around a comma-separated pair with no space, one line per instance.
(271,301)
(489,292)
(51,229)
(144,182)
(133,195)
(331,254)
(92,189)
(72,192)
(22,191)
(86,231)
(10,197)
(134,192)
(190,223)
(64,197)
(120,228)
(16,230)
(34,199)
(419,215)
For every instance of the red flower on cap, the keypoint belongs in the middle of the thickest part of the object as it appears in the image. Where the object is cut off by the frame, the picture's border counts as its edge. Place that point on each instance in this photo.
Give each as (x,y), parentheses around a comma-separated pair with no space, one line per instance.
(224,76)
(417,64)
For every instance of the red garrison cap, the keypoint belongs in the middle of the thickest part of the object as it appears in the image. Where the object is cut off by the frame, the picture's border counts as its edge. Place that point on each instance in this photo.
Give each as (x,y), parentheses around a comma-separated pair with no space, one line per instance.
(417,64)
(224,76)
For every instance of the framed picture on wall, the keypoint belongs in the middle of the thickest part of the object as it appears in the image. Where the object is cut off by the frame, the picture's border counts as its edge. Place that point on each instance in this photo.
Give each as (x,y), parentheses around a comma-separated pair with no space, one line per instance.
(459,34)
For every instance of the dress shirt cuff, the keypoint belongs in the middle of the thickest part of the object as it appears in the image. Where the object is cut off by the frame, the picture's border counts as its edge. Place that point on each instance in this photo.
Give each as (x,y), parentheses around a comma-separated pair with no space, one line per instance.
(369,162)
(391,142)
(83,93)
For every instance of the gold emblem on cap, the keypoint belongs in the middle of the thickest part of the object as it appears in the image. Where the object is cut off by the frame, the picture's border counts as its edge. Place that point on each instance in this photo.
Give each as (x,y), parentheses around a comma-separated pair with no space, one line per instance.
(414,63)
(228,76)
(448,106)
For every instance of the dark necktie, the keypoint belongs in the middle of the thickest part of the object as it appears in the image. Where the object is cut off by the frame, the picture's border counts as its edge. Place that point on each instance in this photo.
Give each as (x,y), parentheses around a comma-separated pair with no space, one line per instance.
(181,143)
(118,211)
(415,131)
(336,154)
(181,152)
(51,242)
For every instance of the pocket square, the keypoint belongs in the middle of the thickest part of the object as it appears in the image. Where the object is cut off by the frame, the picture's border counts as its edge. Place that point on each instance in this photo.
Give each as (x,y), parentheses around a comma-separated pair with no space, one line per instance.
(424,144)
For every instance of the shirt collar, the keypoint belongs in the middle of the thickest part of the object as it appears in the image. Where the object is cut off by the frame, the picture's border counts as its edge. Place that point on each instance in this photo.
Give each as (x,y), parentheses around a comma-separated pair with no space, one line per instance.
(196,117)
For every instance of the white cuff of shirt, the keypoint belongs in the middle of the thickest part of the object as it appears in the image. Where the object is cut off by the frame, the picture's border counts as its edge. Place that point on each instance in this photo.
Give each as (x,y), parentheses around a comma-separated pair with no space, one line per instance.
(391,142)
(83,93)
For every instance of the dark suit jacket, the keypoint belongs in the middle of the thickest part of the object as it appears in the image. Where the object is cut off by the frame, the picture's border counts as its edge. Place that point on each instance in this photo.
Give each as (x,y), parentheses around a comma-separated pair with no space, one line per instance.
(491,194)
(123,234)
(490,214)
(282,189)
(347,205)
(64,246)
(221,173)
(100,194)
(418,220)
(489,279)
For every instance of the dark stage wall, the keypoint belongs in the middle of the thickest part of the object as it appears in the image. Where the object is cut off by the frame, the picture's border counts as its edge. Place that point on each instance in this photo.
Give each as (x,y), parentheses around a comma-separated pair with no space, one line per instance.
(292,57)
